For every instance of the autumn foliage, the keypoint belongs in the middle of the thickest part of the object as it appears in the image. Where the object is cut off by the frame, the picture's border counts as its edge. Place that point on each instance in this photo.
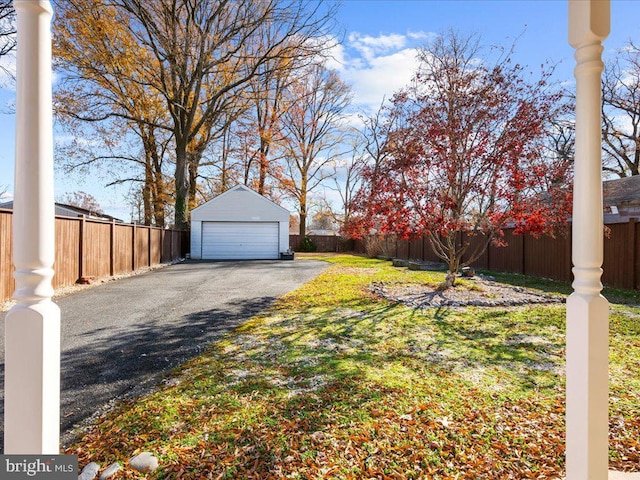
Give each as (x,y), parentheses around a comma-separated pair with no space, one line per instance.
(462,152)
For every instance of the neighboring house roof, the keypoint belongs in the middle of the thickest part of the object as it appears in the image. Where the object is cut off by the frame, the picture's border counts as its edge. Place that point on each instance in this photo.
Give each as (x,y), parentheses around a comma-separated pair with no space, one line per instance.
(70,211)
(621,198)
(321,232)
(622,190)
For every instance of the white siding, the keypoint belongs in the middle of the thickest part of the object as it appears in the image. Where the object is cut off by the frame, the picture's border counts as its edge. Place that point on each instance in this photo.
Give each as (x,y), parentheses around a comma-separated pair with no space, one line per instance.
(240,240)
(196,237)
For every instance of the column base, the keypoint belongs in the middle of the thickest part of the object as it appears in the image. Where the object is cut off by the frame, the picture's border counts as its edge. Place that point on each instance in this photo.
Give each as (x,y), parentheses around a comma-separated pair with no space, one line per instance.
(32,379)
(587,387)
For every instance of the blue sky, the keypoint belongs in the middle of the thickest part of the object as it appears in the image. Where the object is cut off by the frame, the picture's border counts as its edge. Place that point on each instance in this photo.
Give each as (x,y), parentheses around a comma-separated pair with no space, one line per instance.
(377,55)
(539,28)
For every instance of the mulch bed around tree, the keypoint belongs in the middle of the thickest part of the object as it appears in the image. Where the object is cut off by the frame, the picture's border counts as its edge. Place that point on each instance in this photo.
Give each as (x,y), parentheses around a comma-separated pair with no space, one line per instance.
(477,292)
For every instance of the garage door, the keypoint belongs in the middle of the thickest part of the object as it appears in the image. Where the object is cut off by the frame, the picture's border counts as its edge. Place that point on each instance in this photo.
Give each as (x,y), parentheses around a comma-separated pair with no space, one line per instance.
(240,240)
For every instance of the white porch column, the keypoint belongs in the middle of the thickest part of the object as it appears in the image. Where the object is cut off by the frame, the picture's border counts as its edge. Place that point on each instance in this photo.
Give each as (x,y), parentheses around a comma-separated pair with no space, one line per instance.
(587,310)
(32,327)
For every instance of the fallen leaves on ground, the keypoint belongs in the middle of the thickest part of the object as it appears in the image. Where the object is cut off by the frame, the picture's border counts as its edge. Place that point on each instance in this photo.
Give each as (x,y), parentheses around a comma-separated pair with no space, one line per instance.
(332,383)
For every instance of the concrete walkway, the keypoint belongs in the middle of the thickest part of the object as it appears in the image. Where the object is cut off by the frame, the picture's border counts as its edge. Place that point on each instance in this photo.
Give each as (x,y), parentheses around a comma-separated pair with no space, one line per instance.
(120,338)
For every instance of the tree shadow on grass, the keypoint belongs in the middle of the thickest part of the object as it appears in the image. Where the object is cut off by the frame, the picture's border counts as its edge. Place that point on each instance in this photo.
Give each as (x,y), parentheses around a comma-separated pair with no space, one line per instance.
(131,360)
(489,338)
(359,417)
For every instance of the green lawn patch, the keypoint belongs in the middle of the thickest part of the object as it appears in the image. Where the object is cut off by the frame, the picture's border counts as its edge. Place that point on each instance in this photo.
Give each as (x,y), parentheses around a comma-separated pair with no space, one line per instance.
(333,382)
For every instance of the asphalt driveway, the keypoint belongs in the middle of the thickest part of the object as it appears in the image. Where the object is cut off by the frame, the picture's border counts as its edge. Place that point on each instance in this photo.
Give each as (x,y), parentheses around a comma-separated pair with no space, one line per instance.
(119,338)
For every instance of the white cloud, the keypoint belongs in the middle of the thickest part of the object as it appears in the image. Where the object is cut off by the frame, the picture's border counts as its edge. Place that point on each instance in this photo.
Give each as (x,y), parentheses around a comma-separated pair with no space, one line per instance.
(353,120)
(382,77)
(422,36)
(369,47)
(377,66)
(336,57)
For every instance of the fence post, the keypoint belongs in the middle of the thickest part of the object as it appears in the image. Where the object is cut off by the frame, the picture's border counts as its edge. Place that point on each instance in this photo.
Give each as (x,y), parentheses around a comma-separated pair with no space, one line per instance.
(148,245)
(523,266)
(112,248)
(171,247)
(81,234)
(133,246)
(462,234)
(630,274)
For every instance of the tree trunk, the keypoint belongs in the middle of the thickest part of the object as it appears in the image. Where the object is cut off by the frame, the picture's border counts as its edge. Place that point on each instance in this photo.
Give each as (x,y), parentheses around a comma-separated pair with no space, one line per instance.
(223,161)
(159,199)
(263,173)
(148,143)
(193,181)
(303,226)
(264,163)
(303,209)
(454,261)
(182,187)
(223,175)
(146,193)
(157,185)
(450,279)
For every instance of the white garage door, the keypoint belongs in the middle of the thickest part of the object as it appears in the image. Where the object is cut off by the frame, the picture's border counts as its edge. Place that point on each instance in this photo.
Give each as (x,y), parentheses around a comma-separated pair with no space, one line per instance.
(240,240)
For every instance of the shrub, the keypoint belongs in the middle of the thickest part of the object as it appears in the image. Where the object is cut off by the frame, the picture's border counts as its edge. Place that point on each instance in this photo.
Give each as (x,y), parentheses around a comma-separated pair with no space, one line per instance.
(379,246)
(307,245)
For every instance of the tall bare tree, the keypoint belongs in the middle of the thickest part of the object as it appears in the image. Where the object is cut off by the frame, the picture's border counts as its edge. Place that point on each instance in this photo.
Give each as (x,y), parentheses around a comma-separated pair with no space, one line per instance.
(104,95)
(265,93)
(206,51)
(195,57)
(313,132)
(347,181)
(7,27)
(621,113)
(81,199)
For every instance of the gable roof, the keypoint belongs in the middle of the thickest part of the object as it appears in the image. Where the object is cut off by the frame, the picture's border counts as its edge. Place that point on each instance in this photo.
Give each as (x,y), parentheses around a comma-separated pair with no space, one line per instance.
(621,190)
(240,188)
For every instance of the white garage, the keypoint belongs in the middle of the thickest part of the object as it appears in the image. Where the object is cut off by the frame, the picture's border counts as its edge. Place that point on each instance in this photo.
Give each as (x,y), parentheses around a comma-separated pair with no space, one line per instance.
(239,224)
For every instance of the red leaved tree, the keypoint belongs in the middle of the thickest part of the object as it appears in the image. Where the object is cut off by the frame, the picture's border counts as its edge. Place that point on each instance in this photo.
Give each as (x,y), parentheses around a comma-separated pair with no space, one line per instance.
(462,153)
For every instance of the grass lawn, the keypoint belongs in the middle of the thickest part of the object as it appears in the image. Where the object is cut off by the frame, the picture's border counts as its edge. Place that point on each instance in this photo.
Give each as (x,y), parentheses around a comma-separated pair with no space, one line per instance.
(333,383)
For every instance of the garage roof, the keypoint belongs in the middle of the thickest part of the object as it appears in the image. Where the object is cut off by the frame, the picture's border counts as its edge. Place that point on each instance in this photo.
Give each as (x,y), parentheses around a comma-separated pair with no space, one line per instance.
(234,206)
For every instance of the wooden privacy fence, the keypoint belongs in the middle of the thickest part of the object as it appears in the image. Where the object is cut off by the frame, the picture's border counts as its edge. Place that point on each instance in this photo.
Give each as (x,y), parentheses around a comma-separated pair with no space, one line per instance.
(324,243)
(96,248)
(545,256)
